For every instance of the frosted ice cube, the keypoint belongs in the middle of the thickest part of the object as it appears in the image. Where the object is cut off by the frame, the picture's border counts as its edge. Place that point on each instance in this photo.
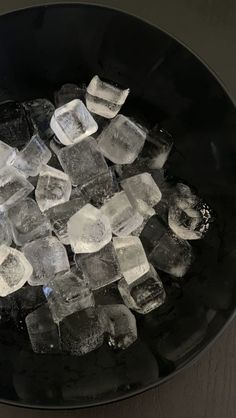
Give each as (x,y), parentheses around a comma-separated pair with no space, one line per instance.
(48,257)
(32,157)
(122,216)
(5,230)
(53,188)
(100,268)
(7,154)
(67,93)
(82,332)
(39,112)
(82,161)
(13,187)
(27,222)
(59,216)
(145,294)
(43,332)
(67,293)
(132,258)
(142,192)
(100,188)
(158,146)
(72,122)
(15,270)
(14,128)
(122,328)
(122,140)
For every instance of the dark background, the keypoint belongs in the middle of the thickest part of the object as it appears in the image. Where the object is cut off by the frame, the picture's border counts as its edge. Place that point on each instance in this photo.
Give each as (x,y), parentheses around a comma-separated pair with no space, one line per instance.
(207,389)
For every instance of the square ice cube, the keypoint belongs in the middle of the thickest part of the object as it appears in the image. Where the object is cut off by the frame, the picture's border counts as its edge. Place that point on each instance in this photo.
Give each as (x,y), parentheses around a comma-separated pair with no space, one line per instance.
(132,258)
(122,140)
(32,157)
(5,230)
(53,188)
(14,128)
(15,270)
(89,230)
(27,222)
(39,112)
(67,93)
(48,257)
(101,268)
(142,192)
(7,154)
(158,146)
(123,218)
(72,122)
(13,187)
(100,188)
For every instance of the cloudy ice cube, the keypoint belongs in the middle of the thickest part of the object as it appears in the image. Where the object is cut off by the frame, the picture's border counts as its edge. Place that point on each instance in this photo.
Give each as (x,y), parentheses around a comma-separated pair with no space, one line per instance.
(27,222)
(100,188)
(145,294)
(15,270)
(43,332)
(101,268)
(142,192)
(67,293)
(14,128)
(67,93)
(82,332)
(13,187)
(59,216)
(89,230)
(122,140)
(158,146)
(82,161)
(123,218)
(5,230)
(48,257)
(72,122)
(32,157)
(121,328)
(132,258)
(7,154)
(53,188)
(39,112)
(104,99)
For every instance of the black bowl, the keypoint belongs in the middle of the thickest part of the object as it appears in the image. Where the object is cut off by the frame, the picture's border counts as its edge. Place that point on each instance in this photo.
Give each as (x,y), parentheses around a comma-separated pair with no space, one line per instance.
(41,48)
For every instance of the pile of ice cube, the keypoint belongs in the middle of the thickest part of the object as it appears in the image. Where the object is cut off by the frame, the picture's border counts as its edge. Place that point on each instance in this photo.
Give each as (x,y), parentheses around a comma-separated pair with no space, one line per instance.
(83,214)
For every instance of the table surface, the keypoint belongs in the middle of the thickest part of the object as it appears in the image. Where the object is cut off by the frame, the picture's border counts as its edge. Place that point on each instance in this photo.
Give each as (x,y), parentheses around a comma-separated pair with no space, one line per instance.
(206,389)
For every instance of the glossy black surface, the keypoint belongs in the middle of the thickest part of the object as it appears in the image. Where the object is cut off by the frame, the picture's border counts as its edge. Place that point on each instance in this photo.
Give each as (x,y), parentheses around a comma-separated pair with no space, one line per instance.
(41,49)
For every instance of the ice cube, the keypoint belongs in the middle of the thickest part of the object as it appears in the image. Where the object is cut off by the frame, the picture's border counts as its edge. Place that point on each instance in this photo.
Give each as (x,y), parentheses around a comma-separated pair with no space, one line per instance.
(39,112)
(72,122)
(151,234)
(104,99)
(14,129)
(7,154)
(48,257)
(27,222)
(13,187)
(67,293)
(122,140)
(132,258)
(43,332)
(89,230)
(5,230)
(158,146)
(145,294)
(100,188)
(82,332)
(53,188)
(121,328)
(32,157)
(28,299)
(82,161)
(59,216)
(100,268)
(67,93)
(122,216)
(15,270)
(142,192)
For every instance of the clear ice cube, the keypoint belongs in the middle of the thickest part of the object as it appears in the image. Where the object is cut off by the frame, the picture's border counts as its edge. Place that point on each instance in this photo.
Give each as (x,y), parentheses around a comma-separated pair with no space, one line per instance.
(14,128)
(158,146)
(72,122)
(7,154)
(13,187)
(145,294)
(132,258)
(89,230)
(5,230)
(67,93)
(67,293)
(82,161)
(48,257)
(100,188)
(15,270)
(27,222)
(142,192)
(122,140)
(53,188)
(39,112)
(101,268)
(43,332)
(32,157)
(123,218)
